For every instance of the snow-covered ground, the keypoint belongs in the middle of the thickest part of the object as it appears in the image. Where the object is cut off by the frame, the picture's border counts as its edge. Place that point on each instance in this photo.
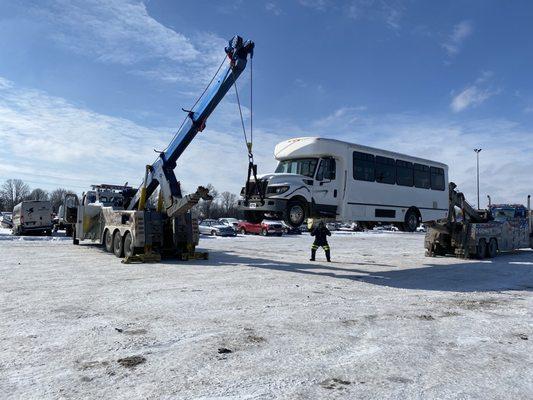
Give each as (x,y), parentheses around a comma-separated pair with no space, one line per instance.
(382,321)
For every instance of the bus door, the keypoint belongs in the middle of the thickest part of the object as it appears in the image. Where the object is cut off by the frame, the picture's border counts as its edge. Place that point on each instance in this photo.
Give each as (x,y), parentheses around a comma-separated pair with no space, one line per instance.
(327,191)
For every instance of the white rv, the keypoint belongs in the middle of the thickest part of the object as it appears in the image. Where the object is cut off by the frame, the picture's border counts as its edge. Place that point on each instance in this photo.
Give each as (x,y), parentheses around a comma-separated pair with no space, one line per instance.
(329,178)
(33,216)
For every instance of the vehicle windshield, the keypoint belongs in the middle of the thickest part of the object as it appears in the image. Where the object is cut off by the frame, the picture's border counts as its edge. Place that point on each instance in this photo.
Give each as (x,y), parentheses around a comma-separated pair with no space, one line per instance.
(503,214)
(300,166)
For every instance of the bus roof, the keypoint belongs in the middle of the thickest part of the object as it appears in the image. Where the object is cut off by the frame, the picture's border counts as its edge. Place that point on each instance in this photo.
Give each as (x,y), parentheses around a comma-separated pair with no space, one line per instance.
(283,147)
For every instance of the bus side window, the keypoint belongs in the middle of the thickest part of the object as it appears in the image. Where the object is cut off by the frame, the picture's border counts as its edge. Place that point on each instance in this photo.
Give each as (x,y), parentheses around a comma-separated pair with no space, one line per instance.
(437,178)
(385,170)
(404,173)
(421,174)
(363,166)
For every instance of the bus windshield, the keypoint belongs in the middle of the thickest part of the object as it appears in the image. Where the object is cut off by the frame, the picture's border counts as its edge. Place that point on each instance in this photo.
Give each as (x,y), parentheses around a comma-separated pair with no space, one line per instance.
(300,166)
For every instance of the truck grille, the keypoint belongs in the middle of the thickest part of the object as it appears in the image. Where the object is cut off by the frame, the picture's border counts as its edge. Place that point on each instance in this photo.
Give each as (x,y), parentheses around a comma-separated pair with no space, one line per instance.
(254,188)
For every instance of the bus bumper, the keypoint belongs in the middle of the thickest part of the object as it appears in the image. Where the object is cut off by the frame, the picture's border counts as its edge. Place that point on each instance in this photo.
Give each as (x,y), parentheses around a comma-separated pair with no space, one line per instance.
(270,206)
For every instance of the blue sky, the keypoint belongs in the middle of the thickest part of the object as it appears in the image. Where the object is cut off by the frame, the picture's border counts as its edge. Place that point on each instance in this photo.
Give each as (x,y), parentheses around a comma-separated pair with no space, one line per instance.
(89,89)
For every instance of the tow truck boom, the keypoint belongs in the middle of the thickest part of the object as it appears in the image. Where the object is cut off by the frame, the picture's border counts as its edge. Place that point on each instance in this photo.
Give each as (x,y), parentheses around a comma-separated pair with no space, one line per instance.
(161,172)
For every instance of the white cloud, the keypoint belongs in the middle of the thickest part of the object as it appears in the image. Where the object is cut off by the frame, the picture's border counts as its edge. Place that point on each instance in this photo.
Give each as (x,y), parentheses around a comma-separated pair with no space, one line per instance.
(50,142)
(319,5)
(474,95)
(123,32)
(390,12)
(273,8)
(344,116)
(470,97)
(454,42)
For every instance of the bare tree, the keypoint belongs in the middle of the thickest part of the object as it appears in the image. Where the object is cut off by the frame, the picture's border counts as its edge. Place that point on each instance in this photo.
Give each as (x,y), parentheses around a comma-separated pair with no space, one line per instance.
(205,207)
(228,202)
(56,198)
(13,191)
(38,194)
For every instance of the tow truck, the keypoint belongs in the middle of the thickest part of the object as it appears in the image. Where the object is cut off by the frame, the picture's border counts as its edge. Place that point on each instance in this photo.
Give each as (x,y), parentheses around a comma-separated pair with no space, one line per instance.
(472,233)
(122,217)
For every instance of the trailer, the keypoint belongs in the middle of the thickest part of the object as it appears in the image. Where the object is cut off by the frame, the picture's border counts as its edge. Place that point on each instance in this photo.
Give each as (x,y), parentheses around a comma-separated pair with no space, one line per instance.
(143,224)
(471,233)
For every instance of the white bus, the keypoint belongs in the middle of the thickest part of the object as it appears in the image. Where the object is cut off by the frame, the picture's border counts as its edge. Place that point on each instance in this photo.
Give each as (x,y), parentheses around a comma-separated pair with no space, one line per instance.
(348,182)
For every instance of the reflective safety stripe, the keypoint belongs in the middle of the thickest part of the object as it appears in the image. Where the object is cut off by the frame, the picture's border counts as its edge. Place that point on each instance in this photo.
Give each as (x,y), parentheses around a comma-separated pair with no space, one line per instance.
(314,247)
(325,248)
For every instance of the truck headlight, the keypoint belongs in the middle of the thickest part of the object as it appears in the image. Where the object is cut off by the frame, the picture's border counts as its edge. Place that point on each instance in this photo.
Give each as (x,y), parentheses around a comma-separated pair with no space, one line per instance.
(277,189)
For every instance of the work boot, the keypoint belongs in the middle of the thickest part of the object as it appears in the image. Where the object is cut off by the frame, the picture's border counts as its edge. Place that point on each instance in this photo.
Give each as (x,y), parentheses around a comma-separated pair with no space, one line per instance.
(313,254)
(328,255)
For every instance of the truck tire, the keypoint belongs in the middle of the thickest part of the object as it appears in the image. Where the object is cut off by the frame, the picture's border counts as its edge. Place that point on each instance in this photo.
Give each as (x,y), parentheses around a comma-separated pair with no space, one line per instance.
(481,249)
(242,231)
(264,232)
(128,245)
(412,220)
(108,241)
(492,248)
(118,245)
(295,213)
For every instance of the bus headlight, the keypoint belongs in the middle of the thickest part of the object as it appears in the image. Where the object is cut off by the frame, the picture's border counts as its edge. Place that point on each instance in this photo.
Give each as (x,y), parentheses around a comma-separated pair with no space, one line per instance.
(277,189)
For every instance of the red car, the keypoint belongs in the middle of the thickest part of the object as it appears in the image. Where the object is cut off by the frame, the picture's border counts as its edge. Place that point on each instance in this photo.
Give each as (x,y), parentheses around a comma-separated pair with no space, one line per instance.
(264,228)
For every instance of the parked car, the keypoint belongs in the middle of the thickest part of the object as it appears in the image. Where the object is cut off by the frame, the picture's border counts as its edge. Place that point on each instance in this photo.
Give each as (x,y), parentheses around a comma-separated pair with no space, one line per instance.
(266,227)
(390,228)
(233,222)
(33,216)
(6,220)
(289,230)
(334,226)
(214,228)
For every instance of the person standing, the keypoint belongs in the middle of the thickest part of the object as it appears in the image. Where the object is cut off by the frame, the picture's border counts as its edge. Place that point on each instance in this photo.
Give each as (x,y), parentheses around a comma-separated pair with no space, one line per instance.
(321,233)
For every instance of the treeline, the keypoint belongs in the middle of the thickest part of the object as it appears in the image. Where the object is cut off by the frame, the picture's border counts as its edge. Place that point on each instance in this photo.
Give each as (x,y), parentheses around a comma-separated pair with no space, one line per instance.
(13,191)
(223,205)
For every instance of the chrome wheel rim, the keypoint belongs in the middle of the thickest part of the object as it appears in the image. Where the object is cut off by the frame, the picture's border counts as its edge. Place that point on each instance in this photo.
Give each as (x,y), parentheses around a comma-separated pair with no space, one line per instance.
(296,214)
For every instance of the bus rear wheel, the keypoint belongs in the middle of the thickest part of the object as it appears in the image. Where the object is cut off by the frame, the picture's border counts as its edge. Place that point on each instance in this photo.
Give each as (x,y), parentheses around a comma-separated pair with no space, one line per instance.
(412,220)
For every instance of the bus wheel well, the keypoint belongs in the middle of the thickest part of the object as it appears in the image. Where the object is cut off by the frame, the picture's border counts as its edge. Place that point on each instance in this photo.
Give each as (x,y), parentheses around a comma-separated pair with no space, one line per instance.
(301,199)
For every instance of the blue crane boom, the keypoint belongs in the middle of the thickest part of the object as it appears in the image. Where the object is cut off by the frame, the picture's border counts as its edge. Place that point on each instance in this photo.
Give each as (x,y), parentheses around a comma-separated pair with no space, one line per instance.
(161,172)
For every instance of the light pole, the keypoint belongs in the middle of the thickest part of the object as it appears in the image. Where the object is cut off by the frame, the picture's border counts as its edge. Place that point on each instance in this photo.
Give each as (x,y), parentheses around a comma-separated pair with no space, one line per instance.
(477,164)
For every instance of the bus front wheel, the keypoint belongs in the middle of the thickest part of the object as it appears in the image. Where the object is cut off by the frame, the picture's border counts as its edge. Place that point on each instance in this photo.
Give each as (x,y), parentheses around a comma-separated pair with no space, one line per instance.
(295,214)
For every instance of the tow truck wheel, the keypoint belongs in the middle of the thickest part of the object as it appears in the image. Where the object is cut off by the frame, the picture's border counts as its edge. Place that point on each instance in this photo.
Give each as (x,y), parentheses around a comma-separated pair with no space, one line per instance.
(264,232)
(481,249)
(108,241)
(243,231)
(118,245)
(295,215)
(492,248)
(128,245)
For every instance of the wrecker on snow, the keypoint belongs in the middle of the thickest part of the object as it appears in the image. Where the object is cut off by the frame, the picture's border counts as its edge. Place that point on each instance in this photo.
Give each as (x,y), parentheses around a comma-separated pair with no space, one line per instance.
(480,233)
(120,218)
